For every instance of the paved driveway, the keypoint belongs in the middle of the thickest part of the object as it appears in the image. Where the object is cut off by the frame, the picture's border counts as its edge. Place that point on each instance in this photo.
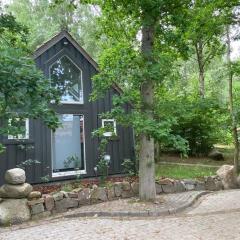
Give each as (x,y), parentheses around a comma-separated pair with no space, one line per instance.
(216,216)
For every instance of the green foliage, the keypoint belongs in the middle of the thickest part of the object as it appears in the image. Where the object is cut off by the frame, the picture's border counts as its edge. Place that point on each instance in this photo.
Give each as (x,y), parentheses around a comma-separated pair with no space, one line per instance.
(103,165)
(129,167)
(28,162)
(102,168)
(201,122)
(183,172)
(45,178)
(24,91)
(44,19)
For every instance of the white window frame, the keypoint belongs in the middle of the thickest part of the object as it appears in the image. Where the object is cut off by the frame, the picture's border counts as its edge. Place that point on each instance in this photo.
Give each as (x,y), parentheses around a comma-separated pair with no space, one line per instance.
(81,101)
(20,136)
(109,134)
(74,172)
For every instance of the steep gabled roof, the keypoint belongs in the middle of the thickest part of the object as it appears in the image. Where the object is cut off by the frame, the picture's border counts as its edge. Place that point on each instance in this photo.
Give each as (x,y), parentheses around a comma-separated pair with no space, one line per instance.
(64,34)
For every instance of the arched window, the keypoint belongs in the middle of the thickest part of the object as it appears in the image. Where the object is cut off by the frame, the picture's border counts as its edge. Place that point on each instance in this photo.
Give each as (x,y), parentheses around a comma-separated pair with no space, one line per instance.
(66,76)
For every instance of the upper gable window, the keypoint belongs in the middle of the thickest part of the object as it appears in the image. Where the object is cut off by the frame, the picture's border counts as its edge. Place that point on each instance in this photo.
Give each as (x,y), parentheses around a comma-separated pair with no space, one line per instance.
(67,78)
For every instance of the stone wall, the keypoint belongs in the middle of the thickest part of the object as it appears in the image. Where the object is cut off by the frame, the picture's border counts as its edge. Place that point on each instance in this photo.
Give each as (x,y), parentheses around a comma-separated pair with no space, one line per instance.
(21,203)
(62,201)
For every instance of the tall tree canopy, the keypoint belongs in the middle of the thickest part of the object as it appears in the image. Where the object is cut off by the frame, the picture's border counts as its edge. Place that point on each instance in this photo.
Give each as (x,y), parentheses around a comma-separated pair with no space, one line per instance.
(24,92)
(44,19)
(144,41)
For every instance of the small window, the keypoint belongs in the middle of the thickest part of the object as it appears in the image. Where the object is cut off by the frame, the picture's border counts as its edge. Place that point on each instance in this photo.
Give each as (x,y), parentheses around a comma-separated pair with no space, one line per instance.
(22,124)
(111,124)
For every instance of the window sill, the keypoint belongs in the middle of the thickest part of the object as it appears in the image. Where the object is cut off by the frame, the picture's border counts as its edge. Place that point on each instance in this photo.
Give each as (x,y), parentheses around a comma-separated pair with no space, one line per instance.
(69,173)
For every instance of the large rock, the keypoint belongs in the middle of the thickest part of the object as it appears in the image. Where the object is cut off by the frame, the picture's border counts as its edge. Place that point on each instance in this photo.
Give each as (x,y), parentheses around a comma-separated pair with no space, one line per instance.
(13,211)
(118,189)
(66,203)
(98,194)
(58,196)
(216,155)
(179,186)
(110,193)
(15,191)
(158,188)
(34,195)
(84,196)
(213,183)
(228,176)
(49,202)
(15,176)
(189,184)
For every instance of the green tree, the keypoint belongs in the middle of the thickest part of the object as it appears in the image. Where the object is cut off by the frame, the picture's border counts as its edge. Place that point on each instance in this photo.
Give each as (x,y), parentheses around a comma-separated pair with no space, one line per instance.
(207,20)
(140,67)
(44,20)
(24,92)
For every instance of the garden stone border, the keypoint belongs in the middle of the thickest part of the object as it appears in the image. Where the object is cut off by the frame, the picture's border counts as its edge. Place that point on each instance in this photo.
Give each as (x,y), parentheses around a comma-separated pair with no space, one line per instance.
(59,202)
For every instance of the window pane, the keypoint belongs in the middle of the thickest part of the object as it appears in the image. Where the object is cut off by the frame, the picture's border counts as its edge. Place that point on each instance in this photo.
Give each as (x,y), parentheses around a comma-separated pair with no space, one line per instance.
(68,144)
(19,125)
(66,77)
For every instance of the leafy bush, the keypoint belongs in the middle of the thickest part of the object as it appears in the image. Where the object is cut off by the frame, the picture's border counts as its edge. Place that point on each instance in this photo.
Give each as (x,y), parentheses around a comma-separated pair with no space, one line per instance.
(201,122)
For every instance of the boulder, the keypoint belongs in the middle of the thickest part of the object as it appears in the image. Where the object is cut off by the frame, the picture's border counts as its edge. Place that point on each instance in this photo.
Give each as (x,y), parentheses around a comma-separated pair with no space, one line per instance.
(49,202)
(66,203)
(15,191)
(168,188)
(200,186)
(13,211)
(179,186)
(216,155)
(118,189)
(158,188)
(34,195)
(99,194)
(84,196)
(58,196)
(110,193)
(189,184)
(37,208)
(15,176)
(228,176)
(213,183)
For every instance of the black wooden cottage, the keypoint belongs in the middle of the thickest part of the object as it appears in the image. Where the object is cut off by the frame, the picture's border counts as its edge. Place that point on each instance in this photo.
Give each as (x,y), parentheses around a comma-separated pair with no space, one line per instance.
(69,66)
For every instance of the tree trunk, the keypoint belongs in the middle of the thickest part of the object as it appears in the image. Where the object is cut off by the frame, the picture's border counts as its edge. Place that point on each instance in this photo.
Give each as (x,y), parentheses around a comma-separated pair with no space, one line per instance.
(231,107)
(147,190)
(200,60)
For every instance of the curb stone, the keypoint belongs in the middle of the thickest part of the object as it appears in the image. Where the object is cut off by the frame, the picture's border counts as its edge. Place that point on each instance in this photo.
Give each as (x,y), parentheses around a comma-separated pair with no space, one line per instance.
(147,213)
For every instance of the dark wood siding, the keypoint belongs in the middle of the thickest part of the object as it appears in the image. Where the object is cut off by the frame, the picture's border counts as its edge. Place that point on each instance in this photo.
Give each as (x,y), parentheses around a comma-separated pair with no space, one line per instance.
(38,147)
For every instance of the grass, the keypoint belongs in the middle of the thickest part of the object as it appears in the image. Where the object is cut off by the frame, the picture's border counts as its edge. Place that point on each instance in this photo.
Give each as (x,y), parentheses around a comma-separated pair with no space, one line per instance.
(183,172)
(226,150)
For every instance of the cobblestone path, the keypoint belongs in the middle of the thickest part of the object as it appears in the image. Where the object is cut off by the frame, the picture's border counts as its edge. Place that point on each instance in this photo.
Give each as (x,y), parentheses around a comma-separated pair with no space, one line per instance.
(216,216)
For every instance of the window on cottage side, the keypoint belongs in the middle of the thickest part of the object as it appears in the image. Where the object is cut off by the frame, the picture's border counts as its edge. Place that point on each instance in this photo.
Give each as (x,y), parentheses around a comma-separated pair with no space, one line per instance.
(67,78)
(109,123)
(23,125)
